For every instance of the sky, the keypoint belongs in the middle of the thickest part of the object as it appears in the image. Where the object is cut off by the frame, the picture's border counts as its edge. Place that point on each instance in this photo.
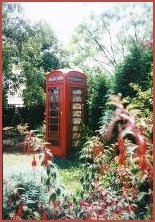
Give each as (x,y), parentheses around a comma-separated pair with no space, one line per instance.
(63,16)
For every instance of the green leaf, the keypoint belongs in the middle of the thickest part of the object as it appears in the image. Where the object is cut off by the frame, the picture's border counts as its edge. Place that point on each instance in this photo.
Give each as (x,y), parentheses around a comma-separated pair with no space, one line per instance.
(48,181)
(87,187)
(74,200)
(65,198)
(48,170)
(30,202)
(20,190)
(53,197)
(37,215)
(141,196)
(82,179)
(58,191)
(81,194)
(87,176)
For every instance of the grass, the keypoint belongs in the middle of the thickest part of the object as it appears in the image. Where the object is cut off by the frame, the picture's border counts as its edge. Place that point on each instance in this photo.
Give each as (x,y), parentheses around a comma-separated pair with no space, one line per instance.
(69,170)
(15,163)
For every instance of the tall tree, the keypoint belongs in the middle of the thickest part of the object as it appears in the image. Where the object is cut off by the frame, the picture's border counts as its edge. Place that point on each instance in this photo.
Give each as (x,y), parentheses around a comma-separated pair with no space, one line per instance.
(103,39)
(29,50)
(135,68)
(98,90)
(14,32)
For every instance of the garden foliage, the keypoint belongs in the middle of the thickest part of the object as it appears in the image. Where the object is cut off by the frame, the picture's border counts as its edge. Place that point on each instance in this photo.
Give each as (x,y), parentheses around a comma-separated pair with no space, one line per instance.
(123,167)
(135,69)
(98,90)
(116,164)
(29,50)
(116,177)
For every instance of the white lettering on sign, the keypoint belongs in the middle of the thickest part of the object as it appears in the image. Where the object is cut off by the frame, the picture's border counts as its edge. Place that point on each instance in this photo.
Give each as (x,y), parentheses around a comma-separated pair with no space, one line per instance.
(56,78)
(76,78)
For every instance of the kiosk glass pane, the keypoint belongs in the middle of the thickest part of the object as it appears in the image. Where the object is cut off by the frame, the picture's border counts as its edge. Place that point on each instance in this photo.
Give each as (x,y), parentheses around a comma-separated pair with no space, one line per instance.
(54,117)
(77,112)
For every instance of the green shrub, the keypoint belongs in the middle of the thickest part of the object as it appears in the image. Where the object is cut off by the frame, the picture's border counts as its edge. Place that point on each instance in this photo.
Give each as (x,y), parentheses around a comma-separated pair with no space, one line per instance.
(98,90)
(121,168)
(134,69)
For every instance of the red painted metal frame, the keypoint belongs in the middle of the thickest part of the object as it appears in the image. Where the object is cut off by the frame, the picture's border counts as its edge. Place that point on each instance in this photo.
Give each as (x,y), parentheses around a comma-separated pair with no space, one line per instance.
(66,80)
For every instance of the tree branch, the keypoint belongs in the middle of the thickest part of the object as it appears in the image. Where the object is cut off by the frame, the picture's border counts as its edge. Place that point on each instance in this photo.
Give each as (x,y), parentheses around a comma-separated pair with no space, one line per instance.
(111,44)
(103,49)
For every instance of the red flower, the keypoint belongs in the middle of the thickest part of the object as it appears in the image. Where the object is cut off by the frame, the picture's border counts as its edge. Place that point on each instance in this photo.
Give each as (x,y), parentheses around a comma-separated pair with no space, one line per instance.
(122,155)
(103,170)
(69,203)
(97,150)
(56,204)
(126,187)
(102,211)
(18,213)
(151,173)
(135,191)
(20,210)
(120,142)
(45,160)
(34,163)
(15,215)
(28,148)
(85,204)
(143,164)
(44,215)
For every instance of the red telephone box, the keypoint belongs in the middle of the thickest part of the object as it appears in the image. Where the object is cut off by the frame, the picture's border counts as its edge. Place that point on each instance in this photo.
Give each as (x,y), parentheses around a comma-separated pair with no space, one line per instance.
(65,109)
